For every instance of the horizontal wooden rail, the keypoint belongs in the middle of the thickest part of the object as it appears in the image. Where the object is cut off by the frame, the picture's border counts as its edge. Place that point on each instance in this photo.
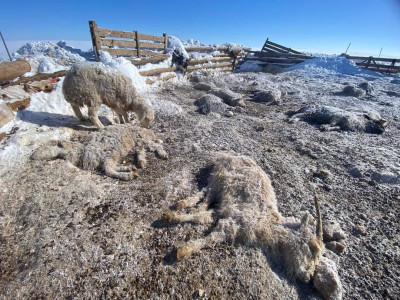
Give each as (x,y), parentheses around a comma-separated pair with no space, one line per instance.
(151,45)
(120,52)
(213,66)
(103,32)
(383,59)
(383,67)
(206,60)
(149,37)
(157,71)
(144,61)
(118,43)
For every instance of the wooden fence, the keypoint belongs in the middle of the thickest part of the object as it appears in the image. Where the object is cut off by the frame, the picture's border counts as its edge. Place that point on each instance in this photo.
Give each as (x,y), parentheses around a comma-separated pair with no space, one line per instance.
(276,55)
(142,48)
(377,64)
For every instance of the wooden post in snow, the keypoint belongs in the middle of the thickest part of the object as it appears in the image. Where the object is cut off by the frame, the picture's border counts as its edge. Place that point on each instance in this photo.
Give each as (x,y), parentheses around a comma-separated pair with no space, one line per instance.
(95,39)
(165,41)
(137,43)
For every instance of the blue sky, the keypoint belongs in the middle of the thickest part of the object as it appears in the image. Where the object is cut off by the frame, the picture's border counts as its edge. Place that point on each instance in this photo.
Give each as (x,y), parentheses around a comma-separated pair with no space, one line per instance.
(316,25)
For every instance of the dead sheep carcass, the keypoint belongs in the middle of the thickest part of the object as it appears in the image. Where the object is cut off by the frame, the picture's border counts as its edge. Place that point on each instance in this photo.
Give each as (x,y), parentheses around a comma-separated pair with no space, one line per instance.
(104,150)
(241,197)
(335,119)
(93,84)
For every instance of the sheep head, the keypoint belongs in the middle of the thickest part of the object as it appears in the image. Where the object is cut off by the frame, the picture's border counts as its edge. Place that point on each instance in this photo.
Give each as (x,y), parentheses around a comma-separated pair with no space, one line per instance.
(303,249)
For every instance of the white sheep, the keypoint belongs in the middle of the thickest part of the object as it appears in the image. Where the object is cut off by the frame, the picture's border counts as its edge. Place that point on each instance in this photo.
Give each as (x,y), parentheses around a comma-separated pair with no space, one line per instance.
(241,197)
(93,84)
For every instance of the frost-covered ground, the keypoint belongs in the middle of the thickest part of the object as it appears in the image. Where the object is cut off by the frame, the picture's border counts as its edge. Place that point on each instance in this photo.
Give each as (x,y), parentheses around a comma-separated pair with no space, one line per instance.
(67,232)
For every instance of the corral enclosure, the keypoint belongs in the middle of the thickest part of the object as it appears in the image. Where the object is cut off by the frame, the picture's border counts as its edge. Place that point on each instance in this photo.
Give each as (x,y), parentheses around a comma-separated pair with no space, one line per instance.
(320,126)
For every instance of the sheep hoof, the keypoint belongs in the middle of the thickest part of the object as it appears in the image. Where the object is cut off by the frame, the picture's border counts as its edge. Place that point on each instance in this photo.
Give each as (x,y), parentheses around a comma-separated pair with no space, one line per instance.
(183,252)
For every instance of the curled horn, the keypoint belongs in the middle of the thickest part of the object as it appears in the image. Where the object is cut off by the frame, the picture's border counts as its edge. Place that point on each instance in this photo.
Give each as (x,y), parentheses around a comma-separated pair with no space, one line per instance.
(319,222)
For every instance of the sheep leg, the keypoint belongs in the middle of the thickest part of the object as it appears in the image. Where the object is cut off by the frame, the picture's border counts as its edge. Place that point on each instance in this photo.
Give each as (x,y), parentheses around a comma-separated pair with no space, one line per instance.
(158,149)
(121,119)
(94,117)
(125,168)
(78,113)
(202,217)
(141,157)
(196,245)
(110,169)
(126,117)
(192,200)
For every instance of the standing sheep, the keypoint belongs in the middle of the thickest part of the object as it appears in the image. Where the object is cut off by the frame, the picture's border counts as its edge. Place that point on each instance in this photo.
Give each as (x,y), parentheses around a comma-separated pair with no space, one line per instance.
(93,84)
(241,197)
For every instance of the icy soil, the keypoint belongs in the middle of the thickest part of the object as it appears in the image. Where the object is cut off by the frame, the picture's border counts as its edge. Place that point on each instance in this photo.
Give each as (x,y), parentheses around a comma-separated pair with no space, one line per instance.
(67,232)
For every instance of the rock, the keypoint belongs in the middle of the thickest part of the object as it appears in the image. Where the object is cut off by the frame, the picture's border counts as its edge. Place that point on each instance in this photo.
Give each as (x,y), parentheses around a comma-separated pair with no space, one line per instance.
(229,97)
(332,231)
(336,247)
(210,104)
(327,281)
(203,86)
(364,217)
(195,78)
(360,230)
(6,114)
(353,91)
(2,136)
(268,96)
(367,87)
(229,114)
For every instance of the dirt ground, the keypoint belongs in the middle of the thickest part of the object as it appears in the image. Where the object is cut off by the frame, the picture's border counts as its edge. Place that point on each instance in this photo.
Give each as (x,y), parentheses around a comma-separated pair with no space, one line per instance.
(71,233)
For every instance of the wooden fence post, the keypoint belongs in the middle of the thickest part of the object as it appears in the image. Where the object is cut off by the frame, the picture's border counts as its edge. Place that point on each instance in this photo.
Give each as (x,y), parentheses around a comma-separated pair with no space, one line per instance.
(165,41)
(95,39)
(137,43)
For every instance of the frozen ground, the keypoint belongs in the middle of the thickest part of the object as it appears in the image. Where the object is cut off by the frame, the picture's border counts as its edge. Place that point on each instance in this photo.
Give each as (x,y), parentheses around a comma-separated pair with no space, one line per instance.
(67,232)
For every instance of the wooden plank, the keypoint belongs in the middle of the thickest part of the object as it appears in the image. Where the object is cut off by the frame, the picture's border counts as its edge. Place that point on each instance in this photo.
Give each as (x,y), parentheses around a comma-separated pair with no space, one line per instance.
(285,55)
(380,70)
(118,43)
(157,71)
(149,37)
(37,77)
(383,67)
(104,32)
(150,53)
(272,48)
(152,45)
(282,47)
(274,60)
(120,52)
(10,70)
(205,60)
(144,61)
(95,39)
(213,66)
(383,59)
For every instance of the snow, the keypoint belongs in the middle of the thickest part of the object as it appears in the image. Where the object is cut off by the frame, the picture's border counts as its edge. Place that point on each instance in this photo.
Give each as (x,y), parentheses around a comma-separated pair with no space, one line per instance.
(48,117)
(331,65)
